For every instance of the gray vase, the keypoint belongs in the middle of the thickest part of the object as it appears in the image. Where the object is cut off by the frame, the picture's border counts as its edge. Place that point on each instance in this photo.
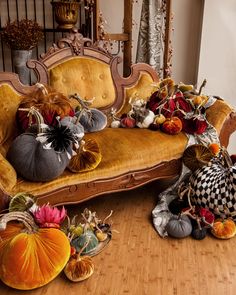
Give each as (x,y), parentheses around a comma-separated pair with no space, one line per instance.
(20,58)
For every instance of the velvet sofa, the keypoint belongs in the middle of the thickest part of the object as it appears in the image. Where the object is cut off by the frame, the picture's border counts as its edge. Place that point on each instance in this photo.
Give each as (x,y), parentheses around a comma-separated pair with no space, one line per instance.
(130,157)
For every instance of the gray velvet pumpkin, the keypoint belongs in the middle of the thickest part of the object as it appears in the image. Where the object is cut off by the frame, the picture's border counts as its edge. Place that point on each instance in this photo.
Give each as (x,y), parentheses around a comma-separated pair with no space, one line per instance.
(92,120)
(40,160)
(179,226)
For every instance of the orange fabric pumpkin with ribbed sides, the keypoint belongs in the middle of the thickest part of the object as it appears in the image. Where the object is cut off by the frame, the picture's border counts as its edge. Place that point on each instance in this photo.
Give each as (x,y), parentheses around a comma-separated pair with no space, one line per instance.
(30,257)
(88,157)
(49,102)
(224,228)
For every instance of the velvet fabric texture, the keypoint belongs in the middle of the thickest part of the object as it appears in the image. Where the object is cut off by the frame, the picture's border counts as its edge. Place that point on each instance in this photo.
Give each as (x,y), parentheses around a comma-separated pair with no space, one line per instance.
(31,260)
(87,77)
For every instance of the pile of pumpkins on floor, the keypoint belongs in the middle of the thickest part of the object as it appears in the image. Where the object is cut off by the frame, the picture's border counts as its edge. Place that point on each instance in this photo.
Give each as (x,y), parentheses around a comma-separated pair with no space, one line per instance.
(37,243)
(206,199)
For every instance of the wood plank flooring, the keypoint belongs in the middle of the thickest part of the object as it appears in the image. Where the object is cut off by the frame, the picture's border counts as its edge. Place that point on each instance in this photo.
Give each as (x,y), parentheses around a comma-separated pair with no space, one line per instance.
(138,262)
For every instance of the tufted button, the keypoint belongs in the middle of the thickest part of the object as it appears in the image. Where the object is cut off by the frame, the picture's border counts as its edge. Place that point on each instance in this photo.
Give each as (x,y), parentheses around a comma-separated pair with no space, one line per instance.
(83,78)
(104,96)
(101,76)
(64,80)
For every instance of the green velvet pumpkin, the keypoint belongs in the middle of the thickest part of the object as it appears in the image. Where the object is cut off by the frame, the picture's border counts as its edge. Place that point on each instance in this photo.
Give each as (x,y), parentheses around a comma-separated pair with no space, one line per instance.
(36,160)
(87,237)
(179,226)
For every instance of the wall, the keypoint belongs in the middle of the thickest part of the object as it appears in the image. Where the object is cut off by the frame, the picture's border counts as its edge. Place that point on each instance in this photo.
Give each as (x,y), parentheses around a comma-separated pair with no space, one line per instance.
(218,52)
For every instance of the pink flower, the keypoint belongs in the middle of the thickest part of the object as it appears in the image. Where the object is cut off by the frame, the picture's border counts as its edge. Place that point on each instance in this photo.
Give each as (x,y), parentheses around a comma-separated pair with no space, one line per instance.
(48,216)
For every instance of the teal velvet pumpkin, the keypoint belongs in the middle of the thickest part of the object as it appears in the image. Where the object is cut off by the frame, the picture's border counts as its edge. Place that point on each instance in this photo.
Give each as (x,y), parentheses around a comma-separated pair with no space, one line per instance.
(92,120)
(80,241)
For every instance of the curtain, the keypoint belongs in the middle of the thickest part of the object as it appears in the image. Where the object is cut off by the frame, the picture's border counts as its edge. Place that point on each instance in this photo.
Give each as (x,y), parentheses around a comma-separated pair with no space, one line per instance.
(150,41)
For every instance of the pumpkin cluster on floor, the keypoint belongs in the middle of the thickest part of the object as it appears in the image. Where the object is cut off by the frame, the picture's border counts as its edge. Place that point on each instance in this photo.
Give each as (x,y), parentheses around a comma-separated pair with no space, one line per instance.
(206,198)
(39,242)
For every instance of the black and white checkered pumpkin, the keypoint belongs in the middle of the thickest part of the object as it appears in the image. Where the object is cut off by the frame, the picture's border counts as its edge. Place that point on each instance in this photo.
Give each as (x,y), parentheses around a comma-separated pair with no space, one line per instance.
(214,187)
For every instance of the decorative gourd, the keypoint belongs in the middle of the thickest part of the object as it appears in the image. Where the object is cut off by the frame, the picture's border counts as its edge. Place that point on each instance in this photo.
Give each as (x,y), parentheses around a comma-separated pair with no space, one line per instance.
(128,122)
(214,186)
(179,226)
(196,156)
(177,205)
(199,233)
(79,268)
(50,104)
(22,202)
(41,156)
(90,118)
(224,228)
(30,257)
(172,125)
(80,241)
(88,156)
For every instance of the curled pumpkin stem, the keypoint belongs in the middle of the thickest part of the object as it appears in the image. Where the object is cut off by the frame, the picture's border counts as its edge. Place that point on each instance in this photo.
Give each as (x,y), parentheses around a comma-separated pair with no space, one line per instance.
(32,111)
(23,217)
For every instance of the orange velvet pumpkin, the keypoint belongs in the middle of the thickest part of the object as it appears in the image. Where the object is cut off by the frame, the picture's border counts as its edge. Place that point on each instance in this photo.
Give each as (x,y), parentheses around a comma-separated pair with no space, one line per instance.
(224,228)
(49,102)
(172,125)
(30,257)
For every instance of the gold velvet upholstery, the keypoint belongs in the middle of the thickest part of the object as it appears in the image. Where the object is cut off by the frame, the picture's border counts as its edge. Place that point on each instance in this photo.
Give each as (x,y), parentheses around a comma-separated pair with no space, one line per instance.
(85,76)
(123,150)
(142,89)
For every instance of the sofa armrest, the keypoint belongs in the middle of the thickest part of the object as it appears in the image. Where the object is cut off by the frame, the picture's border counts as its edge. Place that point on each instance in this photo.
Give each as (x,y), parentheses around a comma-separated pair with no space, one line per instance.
(8,175)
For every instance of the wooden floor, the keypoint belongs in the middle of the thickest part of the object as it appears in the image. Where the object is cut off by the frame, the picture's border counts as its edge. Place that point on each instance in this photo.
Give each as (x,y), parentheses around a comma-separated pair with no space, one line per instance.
(138,262)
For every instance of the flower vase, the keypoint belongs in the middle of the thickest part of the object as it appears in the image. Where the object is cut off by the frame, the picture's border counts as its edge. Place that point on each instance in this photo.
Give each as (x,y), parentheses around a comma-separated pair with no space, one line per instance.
(19,59)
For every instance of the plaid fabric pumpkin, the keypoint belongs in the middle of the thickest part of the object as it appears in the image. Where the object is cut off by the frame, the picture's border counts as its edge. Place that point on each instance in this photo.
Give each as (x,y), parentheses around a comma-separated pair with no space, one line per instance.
(214,187)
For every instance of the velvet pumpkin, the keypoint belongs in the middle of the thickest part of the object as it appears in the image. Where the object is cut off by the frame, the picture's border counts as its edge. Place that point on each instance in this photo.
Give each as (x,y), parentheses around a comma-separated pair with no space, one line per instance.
(30,257)
(179,226)
(36,160)
(88,157)
(92,120)
(224,228)
(172,125)
(50,104)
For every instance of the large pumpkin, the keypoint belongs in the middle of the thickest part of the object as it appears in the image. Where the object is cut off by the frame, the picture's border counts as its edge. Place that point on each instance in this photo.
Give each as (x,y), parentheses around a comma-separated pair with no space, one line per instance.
(30,257)
(41,161)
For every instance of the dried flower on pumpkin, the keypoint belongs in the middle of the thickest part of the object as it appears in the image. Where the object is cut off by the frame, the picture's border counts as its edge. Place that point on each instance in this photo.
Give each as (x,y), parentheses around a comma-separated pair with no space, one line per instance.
(48,216)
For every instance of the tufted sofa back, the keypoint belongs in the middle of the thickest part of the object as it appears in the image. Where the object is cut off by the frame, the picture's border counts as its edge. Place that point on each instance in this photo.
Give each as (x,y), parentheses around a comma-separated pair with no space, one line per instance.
(88,77)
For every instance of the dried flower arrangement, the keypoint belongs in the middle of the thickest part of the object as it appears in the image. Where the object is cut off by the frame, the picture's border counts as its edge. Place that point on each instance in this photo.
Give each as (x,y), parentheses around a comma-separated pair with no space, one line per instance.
(23,34)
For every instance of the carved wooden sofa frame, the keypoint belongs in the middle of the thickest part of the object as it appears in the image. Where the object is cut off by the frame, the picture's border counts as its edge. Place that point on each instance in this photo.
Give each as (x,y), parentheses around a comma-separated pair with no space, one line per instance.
(75,47)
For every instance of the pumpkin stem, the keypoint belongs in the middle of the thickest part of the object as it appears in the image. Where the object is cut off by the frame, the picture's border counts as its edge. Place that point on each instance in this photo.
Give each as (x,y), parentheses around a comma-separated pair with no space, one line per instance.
(32,111)
(202,86)
(84,246)
(108,216)
(23,217)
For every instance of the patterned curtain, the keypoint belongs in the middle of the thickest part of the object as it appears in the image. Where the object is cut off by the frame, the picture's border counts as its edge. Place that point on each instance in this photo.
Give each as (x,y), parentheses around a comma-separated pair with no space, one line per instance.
(150,41)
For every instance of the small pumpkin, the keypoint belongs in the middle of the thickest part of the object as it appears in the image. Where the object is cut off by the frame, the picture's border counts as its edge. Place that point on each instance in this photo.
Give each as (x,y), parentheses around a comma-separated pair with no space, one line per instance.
(199,233)
(22,202)
(30,257)
(79,268)
(42,156)
(128,122)
(88,156)
(50,104)
(179,226)
(224,228)
(172,125)
(89,238)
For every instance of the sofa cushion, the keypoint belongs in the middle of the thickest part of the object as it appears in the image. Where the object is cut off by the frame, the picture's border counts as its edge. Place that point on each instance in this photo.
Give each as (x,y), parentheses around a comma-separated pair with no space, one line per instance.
(122,150)
(87,77)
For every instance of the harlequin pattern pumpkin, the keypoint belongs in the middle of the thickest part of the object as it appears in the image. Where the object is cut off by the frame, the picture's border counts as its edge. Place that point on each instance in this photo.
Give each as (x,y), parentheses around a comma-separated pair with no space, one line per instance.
(214,187)
(88,157)
(30,257)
